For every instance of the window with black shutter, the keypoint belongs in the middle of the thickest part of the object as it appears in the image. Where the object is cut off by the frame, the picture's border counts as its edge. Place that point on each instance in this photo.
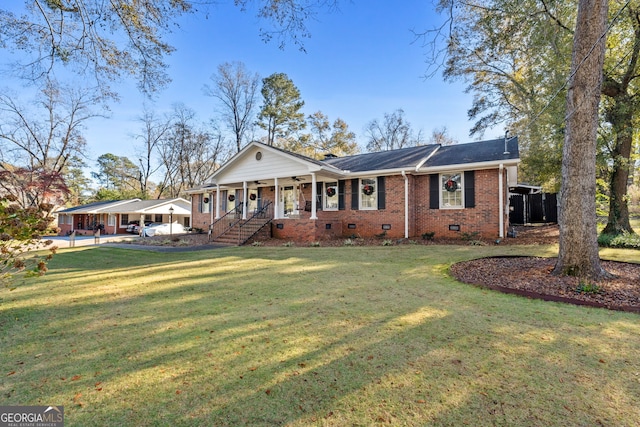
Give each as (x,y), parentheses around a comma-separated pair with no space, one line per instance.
(381,193)
(355,201)
(434,191)
(469,189)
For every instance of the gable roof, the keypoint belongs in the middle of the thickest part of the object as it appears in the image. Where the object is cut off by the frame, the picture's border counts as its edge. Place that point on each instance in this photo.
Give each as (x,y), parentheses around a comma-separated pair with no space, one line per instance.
(403,158)
(181,206)
(257,162)
(96,207)
(490,151)
(426,158)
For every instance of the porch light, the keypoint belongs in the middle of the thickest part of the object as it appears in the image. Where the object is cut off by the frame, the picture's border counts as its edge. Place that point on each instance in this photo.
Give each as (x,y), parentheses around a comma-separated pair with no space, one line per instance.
(170,220)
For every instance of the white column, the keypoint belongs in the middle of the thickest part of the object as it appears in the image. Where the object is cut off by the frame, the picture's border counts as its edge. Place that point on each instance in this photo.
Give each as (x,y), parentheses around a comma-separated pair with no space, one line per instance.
(314,196)
(245,205)
(276,201)
(501,201)
(218,200)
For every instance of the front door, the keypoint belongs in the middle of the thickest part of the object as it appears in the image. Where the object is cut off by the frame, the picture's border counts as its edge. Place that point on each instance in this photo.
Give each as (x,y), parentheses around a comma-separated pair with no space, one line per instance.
(288,201)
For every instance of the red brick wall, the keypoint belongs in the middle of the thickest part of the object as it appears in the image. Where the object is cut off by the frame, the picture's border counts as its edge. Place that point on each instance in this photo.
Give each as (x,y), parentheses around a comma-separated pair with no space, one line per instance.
(199,219)
(305,230)
(482,219)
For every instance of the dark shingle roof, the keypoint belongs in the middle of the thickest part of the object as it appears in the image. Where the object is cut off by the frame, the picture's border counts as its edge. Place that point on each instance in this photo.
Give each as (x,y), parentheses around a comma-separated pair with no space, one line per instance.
(88,206)
(392,159)
(475,152)
(434,154)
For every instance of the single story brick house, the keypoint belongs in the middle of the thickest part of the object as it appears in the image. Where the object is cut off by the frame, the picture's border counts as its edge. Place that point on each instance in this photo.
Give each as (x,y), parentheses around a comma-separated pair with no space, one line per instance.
(447,190)
(113,217)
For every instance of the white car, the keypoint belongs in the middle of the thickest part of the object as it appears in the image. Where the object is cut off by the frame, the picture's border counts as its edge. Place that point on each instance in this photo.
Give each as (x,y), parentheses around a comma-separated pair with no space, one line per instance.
(163,229)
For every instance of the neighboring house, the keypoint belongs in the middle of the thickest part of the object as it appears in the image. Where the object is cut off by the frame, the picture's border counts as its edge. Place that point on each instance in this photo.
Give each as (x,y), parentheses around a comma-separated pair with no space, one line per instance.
(446,190)
(113,217)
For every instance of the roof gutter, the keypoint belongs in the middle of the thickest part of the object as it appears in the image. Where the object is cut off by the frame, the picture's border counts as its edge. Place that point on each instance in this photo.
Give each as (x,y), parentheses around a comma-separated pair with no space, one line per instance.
(471,166)
(501,200)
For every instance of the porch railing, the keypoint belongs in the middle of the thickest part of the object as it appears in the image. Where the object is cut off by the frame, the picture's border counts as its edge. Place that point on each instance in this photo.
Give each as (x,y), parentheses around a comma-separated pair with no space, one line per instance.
(246,228)
(260,218)
(225,223)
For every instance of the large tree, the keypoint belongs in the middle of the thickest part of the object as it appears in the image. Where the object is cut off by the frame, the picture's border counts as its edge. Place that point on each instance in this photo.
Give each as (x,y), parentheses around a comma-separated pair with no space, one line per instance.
(621,88)
(118,174)
(280,114)
(236,89)
(103,40)
(77,182)
(153,131)
(515,55)
(107,40)
(392,133)
(189,153)
(578,254)
(324,138)
(43,137)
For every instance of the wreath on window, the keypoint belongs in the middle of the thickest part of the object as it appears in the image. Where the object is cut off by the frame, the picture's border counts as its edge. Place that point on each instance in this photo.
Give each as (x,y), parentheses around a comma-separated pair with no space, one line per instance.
(451,185)
(231,197)
(331,191)
(367,190)
(252,196)
(205,200)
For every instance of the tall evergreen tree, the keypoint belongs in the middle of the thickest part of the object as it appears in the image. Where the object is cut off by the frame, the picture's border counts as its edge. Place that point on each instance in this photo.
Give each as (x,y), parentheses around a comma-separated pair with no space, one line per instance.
(280,114)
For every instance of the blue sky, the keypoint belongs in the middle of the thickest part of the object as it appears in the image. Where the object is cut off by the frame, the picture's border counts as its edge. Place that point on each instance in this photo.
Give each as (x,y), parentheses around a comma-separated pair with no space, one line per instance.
(360,63)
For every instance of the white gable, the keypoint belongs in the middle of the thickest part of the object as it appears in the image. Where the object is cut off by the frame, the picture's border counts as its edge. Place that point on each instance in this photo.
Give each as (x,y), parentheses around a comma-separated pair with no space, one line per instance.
(261,162)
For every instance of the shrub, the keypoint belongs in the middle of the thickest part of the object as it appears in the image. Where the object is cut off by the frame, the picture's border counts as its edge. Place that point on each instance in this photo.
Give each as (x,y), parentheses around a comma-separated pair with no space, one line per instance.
(256,243)
(624,240)
(348,242)
(387,242)
(428,235)
(288,244)
(470,236)
(588,288)
(314,244)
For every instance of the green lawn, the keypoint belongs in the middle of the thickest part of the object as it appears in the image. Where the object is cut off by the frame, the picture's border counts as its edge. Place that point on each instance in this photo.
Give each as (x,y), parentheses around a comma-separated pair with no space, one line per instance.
(309,336)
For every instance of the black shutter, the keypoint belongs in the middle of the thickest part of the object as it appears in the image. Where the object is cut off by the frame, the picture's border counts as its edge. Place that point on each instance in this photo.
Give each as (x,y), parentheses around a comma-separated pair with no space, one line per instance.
(341,195)
(434,191)
(319,196)
(355,193)
(381,195)
(469,189)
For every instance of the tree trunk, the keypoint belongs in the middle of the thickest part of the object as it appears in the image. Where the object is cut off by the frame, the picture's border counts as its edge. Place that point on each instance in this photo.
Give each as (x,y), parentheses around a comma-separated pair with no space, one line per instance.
(618,221)
(578,255)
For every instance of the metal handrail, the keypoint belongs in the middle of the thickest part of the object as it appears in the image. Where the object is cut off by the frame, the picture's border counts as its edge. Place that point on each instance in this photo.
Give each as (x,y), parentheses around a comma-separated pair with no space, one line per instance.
(219,227)
(214,227)
(265,213)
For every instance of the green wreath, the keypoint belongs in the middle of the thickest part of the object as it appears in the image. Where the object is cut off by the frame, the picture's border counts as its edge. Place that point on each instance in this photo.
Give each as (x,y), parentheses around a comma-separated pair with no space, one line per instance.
(367,190)
(451,186)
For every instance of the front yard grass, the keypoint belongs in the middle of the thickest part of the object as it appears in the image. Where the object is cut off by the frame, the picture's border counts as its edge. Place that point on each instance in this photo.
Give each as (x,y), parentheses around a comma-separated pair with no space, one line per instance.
(266,336)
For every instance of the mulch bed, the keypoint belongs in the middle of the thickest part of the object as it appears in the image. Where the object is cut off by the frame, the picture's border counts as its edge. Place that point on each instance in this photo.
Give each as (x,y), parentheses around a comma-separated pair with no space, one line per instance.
(531,277)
